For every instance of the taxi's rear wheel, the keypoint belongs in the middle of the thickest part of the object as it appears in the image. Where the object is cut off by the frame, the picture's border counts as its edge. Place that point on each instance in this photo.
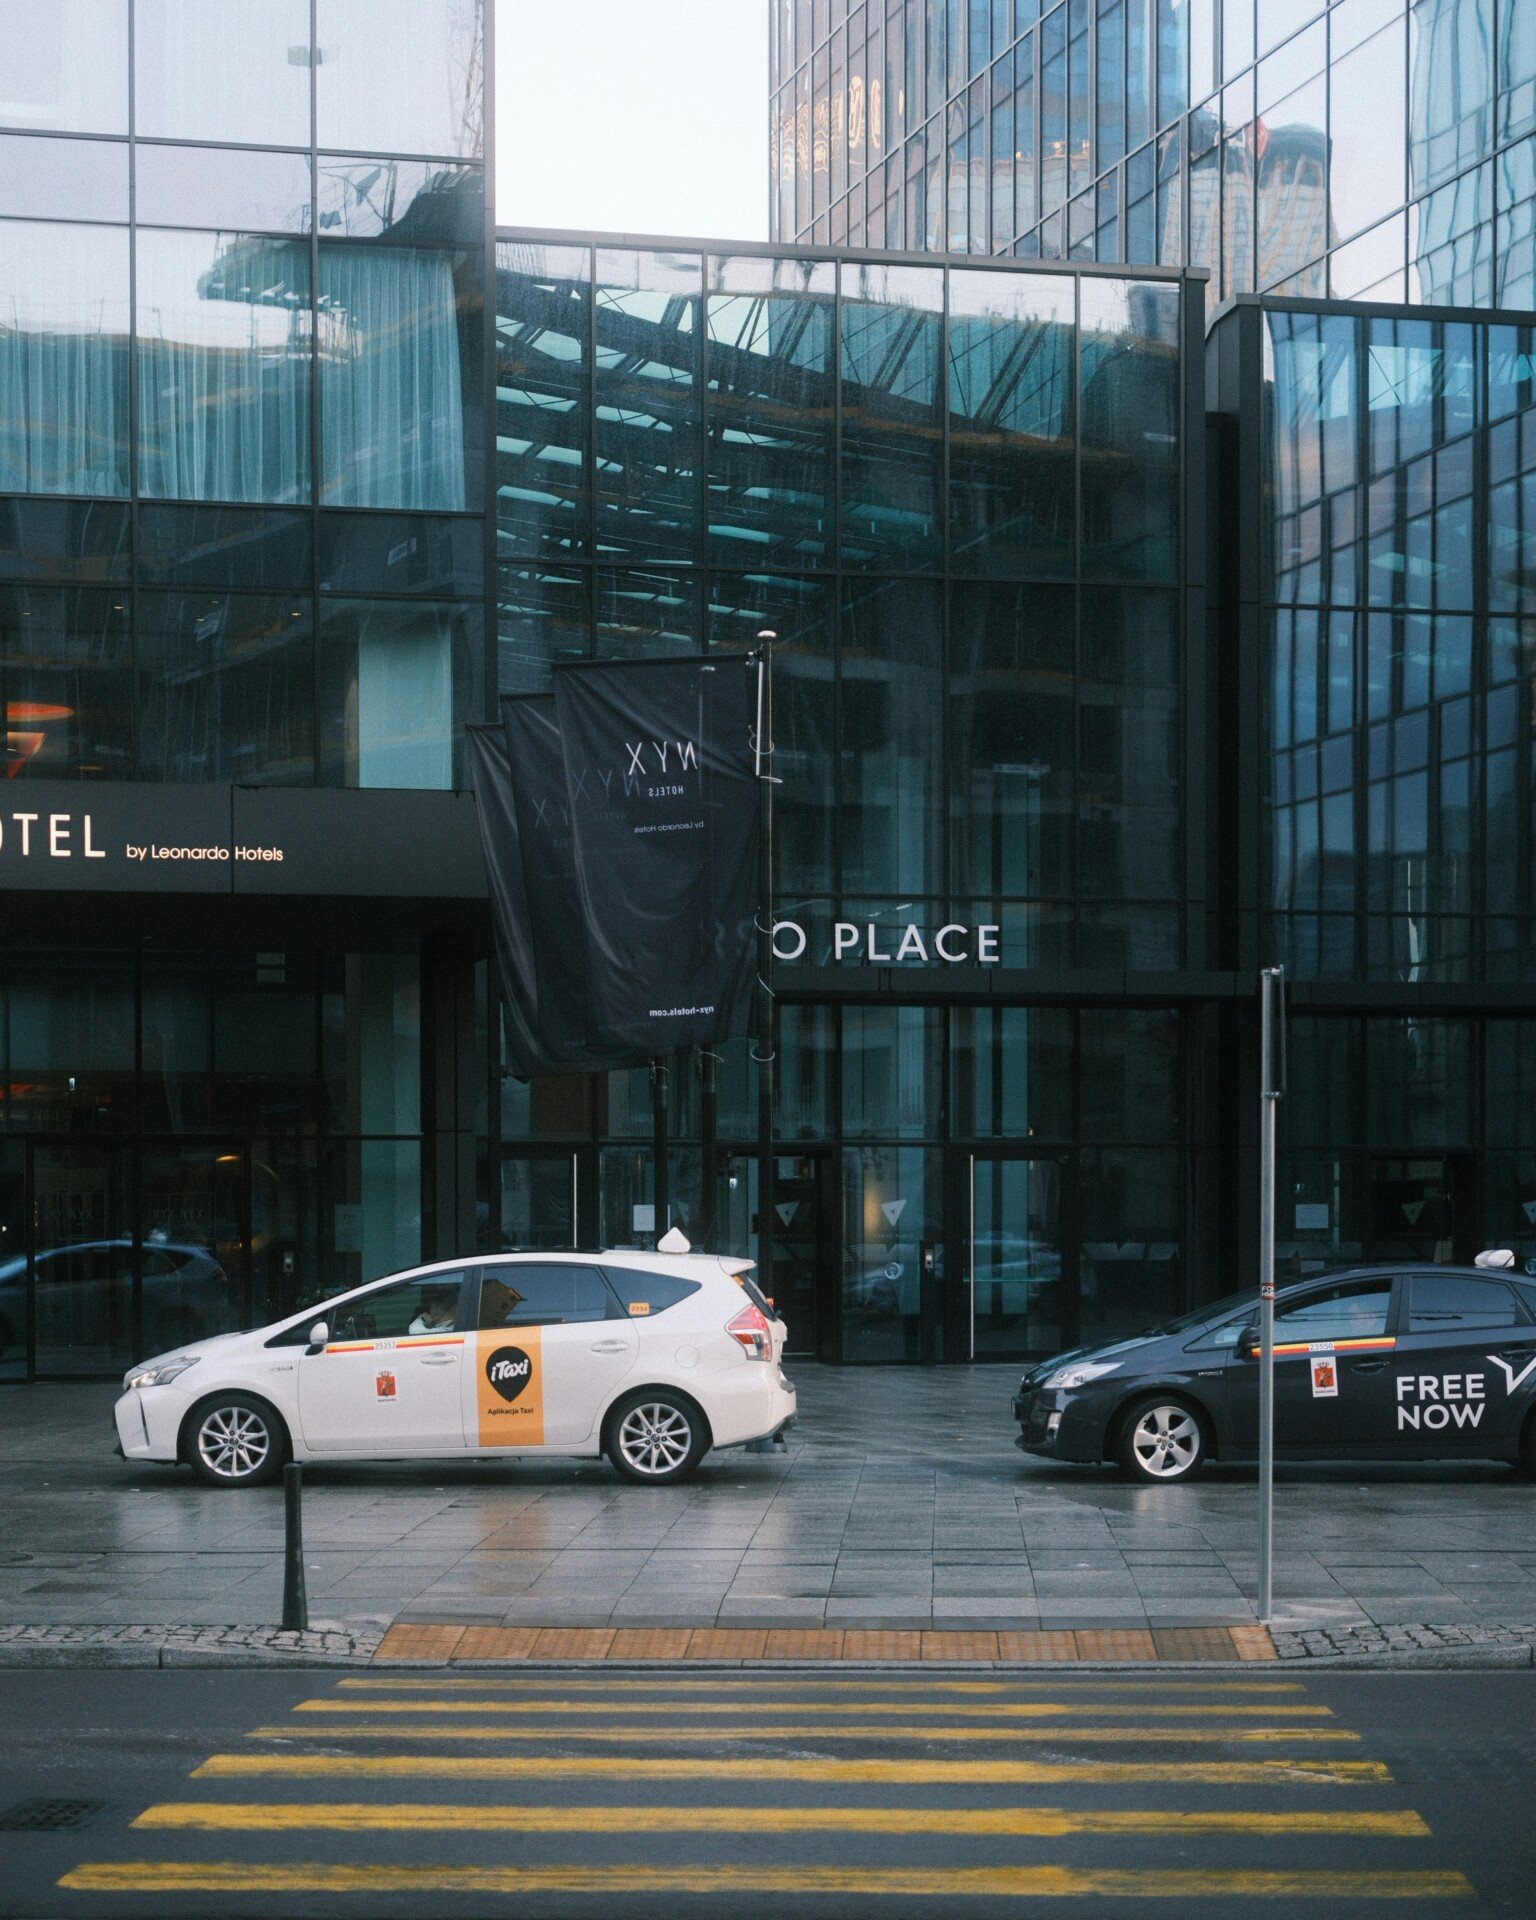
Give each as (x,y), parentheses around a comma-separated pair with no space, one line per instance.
(655,1436)
(1161,1440)
(235,1440)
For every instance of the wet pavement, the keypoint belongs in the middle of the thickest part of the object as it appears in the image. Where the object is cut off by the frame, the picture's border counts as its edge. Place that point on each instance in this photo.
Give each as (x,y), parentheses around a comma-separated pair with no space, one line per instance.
(900,1502)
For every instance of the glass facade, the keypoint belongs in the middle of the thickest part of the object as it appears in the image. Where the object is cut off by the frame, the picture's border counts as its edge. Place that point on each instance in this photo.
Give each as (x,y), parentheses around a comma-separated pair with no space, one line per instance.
(192,1142)
(958,498)
(1376,149)
(242,272)
(1391,804)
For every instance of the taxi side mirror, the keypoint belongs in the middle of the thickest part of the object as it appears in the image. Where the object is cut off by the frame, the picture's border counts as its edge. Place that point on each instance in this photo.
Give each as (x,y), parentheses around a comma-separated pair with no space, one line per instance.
(1248,1344)
(319,1334)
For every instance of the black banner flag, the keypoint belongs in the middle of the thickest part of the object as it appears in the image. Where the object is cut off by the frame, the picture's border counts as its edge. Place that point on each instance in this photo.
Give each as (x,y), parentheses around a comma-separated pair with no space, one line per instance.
(663,802)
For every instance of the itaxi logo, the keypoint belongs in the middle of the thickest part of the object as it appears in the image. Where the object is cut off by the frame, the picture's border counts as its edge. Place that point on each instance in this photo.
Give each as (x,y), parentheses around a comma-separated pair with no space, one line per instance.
(511,1390)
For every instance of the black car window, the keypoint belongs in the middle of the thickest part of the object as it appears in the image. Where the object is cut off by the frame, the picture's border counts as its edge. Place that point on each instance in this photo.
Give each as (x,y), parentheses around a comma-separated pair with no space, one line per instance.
(535,1295)
(1352,1310)
(1450,1302)
(643,1293)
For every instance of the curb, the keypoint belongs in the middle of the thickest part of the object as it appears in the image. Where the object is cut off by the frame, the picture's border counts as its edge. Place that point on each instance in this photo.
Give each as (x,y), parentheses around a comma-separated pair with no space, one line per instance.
(1389,1660)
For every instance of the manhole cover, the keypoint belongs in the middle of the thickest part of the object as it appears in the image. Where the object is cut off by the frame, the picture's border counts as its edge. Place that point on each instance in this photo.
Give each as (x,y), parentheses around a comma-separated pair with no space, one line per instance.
(48,1816)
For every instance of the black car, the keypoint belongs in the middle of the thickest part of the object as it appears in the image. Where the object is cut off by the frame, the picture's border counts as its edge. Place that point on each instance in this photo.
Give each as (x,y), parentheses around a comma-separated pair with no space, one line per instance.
(1377,1363)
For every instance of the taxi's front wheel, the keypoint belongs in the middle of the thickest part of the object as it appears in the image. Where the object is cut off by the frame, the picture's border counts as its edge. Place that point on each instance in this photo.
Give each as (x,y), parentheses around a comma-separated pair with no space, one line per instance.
(1161,1440)
(235,1440)
(655,1436)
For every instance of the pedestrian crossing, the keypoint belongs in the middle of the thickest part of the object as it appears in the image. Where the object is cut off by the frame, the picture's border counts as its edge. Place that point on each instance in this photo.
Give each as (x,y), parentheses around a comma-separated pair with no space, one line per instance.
(630,1792)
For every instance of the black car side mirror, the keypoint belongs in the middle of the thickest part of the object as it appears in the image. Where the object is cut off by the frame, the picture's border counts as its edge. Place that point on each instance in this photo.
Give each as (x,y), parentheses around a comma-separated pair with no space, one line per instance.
(1248,1344)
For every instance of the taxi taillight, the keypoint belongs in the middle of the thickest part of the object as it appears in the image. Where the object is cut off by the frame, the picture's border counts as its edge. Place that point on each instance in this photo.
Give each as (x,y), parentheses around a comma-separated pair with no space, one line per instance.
(751,1332)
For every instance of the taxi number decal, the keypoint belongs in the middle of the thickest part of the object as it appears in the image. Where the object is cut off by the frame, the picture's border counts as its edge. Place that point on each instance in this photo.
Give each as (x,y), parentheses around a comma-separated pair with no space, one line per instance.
(510,1374)
(639,1306)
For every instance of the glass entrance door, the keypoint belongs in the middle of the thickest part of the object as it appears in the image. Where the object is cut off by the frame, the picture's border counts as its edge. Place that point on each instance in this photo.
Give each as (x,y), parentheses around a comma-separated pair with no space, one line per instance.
(1019,1291)
(82,1260)
(800,1283)
(540,1201)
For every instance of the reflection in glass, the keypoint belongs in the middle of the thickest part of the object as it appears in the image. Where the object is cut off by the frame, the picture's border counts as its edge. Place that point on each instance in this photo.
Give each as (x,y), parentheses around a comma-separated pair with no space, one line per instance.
(648,452)
(63,179)
(1450,243)
(420,201)
(1012,423)
(890,716)
(1129,727)
(801,614)
(392,387)
(44,539)
(192,1265)
(543,369)
(66,65)
(226,688)
(63,359)
(82,1259)
(1012,799)
(1368,134)
(1017,1283)
(1130,428)
(646,611)
(1131,1268)
(400,76)
(222,70)
(1293,190)
(222,187)
(66,667)
(223,547)
(1011,1073)
(400,553)
(223,357)
(13,1260)
(541,618)
(769,422)
(892,379)
(892,1206)
(394,676)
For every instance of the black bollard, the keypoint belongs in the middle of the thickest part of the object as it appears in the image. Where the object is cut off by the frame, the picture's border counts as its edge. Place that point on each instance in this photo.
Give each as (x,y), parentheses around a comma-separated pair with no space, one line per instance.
(295,1601)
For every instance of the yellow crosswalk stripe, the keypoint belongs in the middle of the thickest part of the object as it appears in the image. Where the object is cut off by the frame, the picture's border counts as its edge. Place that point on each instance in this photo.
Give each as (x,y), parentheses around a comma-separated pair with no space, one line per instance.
(1008,1709)
(757,1730)
(729,1683)
(936,1883)
(947,1773)
(367,1816)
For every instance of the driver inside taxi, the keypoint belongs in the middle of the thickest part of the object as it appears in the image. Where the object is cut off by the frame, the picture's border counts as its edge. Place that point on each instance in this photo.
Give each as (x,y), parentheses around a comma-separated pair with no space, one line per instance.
(439,1308)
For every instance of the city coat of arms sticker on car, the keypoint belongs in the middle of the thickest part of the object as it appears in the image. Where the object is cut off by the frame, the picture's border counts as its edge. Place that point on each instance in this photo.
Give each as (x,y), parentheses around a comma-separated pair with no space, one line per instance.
(511,1388)
(1325,1377)
(384,1386)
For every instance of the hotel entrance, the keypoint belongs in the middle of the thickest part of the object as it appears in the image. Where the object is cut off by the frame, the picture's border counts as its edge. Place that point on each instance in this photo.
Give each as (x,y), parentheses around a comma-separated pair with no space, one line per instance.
(1014,1292)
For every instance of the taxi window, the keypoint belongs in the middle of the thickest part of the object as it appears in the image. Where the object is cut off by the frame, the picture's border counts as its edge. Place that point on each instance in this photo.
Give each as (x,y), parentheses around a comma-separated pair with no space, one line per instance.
(1351,1311)
(1446,1302)
(642,1294)
(542,1296)
(427,1305)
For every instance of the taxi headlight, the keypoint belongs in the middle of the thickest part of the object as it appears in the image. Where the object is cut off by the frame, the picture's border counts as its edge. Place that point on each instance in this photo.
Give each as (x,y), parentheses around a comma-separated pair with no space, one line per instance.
(157,1376)
(1080,1373)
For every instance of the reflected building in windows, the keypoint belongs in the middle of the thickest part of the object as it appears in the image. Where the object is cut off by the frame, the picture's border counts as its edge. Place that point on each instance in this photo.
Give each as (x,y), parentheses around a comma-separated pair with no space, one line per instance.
(1353,149)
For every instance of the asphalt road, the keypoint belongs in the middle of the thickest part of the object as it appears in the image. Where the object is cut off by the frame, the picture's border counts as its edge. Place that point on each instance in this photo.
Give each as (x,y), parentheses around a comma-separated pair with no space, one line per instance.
(765,1793)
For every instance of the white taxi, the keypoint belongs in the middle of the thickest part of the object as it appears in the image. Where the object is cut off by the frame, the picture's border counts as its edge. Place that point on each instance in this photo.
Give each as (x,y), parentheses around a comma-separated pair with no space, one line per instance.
(650,1358)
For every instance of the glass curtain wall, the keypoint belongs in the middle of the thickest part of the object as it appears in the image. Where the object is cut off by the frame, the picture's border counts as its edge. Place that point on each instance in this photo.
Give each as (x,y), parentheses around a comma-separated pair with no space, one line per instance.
(196,1142)
(978,719)
(1399,802)
(305,335)
(1375,149)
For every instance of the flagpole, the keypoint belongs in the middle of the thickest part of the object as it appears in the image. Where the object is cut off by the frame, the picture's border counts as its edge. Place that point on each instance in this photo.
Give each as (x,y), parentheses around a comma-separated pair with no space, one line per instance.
(764,1050)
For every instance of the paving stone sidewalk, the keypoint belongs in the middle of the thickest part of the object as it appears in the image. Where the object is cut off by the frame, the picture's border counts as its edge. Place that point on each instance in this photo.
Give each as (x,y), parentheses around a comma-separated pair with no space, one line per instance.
(900,1505)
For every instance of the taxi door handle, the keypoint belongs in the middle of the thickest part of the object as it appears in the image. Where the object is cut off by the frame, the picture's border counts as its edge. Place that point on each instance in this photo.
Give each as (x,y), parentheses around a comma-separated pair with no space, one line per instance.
(610,1346)
(439,1359)
(1366,1366)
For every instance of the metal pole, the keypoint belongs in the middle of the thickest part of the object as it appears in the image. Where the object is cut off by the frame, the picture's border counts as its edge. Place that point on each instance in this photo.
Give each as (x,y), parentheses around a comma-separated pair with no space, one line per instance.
(763,1052)
(295,1600)
(659,1192)
(1271,989)
(709,1148)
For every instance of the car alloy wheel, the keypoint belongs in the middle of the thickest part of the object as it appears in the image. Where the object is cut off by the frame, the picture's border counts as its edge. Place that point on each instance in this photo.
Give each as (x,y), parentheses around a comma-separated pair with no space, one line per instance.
(655,1439)
(1165,1441)
(234,1442)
